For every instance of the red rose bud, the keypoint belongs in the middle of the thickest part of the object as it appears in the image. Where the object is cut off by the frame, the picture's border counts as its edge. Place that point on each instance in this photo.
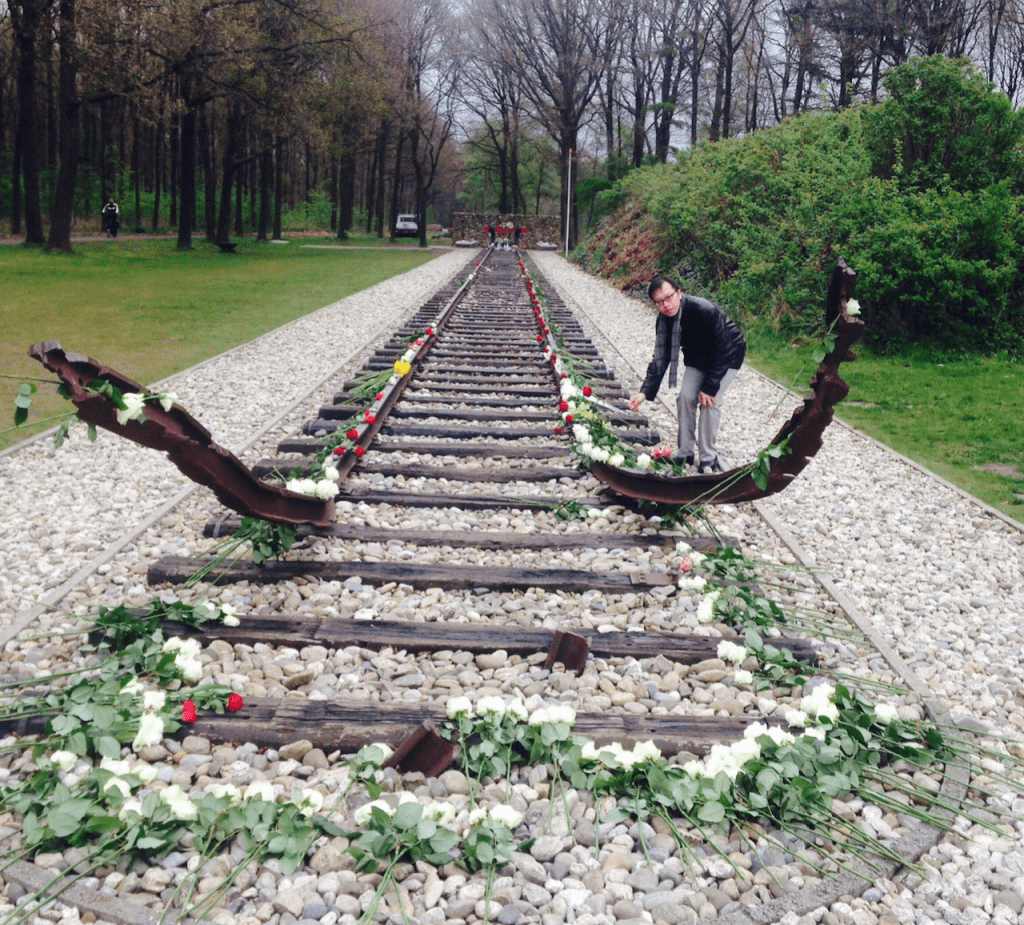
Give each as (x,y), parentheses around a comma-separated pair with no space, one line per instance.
(557,429)
(369,418)
(563,405)
(564,376)
(339,451)
(568,419)
(430,330)
(540,338)
(188,712)
(418,342)
(359,450)
(379,396)
(351,433)
(234,702)
(587,390)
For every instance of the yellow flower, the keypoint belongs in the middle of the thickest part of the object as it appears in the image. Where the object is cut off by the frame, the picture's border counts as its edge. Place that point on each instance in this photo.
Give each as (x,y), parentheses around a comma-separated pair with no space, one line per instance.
(401,367)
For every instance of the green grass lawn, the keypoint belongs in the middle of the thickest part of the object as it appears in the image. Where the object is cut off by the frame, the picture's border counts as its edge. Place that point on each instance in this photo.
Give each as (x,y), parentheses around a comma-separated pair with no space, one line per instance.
(963,419)
(149,310)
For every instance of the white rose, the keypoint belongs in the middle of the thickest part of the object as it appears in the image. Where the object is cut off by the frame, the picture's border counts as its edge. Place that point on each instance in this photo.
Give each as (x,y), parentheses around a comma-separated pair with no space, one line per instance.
(506,816)
(516,711)
(173,794)
(440,812)
(230,620)
(64,760)
(362,814)
(692,584)
(852,307)
(492,707)
(146,773)
(118,784)
(261,790)
(706,607)
(153,700)
(227,790)
(115,766)
(190,669)
(133,404)
(477,816)
(130,808)
(731,652)
(643,462)
(459,706)
(647,751)
(797,718)
(886,713)
(742,677)
(184,809)
(151,731)
(616,459)
(166,399)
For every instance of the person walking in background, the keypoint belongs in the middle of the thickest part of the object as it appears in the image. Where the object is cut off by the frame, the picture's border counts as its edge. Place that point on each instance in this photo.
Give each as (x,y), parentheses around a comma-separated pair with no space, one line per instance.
(110,218)
(713,349)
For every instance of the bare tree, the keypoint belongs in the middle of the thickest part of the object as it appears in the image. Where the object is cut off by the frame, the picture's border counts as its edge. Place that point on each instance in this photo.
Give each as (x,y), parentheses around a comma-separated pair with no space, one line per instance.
(560,74)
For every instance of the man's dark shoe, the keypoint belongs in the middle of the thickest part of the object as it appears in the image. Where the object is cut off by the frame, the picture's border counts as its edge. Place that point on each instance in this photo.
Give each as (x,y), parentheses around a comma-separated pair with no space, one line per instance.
(683,460)
(710,468)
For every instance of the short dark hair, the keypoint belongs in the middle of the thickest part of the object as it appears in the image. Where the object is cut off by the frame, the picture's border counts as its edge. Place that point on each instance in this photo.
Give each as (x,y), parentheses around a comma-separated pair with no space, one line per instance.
(659,280)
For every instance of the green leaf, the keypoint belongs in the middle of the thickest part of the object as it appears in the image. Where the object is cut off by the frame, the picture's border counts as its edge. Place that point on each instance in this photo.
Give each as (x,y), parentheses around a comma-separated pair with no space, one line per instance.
(408,815)
(711,812)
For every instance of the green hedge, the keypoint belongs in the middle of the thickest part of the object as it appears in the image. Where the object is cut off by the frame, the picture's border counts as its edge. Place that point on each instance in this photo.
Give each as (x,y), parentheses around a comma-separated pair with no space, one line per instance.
(757,222)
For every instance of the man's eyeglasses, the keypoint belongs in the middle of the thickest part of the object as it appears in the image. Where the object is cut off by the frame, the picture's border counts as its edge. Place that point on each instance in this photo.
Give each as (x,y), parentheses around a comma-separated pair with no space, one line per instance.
(660,302)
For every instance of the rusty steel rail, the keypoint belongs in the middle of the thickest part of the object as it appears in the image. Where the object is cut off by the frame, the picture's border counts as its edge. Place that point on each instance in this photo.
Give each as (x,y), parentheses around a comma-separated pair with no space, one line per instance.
(801,434)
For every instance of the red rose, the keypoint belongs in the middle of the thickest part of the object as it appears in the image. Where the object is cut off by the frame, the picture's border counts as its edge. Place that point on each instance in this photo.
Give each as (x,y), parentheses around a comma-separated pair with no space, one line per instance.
(418,342)
(359,450)
(540,338)
(587,390)
(568,419)
(564,376)
(369,418)
(430,330)
(563,405)
(234,702)
(379,396)
(339,451)
(351,433)
(557,429)
(188,712)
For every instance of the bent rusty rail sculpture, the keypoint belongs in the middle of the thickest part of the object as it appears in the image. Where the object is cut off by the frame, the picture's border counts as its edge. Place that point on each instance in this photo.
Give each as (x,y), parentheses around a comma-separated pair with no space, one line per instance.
(803,432)
(187,443)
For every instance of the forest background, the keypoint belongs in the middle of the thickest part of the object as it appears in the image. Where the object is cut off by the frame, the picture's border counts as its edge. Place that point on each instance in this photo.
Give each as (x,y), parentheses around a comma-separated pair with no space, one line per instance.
(741,143)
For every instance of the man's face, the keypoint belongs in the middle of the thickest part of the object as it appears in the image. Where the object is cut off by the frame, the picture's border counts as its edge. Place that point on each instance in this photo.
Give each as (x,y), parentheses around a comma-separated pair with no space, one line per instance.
(666,298)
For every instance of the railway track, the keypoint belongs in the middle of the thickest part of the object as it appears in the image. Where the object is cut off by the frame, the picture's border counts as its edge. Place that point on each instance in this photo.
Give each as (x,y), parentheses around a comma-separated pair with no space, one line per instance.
(466,528)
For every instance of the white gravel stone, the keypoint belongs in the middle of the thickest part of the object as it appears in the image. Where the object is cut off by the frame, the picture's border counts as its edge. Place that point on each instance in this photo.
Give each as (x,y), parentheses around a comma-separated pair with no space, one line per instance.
(940,577)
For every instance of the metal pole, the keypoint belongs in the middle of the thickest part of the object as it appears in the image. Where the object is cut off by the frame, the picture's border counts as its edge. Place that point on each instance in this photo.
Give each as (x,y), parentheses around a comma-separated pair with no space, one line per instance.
(568,203)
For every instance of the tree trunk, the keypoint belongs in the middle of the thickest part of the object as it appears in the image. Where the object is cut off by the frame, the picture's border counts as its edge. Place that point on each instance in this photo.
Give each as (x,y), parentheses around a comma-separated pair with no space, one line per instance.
(137,167)
(266,170)
(382,150)
(395,183)
(64,200)
(187,157)
(16,186)
(25,19)
(158,171)
(278,185)
(231,130)
(206,145)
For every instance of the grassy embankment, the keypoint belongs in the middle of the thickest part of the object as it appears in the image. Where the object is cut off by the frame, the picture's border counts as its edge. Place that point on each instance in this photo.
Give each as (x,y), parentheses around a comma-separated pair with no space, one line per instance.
(149,310)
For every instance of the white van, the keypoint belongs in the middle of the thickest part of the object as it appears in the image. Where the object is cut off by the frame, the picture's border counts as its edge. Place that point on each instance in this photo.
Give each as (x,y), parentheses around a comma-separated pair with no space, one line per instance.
(406,226)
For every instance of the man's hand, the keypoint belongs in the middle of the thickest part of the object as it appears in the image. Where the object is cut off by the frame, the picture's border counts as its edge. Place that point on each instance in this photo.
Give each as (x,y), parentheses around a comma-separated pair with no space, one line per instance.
(705,401)
(635,401)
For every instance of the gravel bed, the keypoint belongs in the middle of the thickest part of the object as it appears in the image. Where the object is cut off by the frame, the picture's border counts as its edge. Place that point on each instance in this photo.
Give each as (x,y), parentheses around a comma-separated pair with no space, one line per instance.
(940,580)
